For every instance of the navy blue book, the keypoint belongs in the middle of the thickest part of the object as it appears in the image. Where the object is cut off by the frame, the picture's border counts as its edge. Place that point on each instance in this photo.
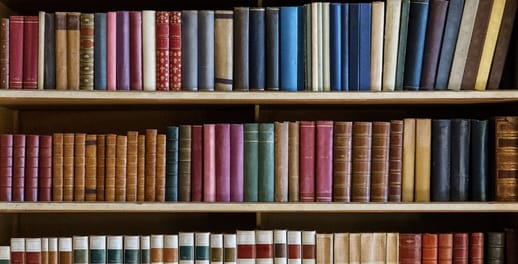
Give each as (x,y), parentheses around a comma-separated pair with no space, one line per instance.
(49,70)
(440,169)
(272,48)
(300,49)
(171,164)
(415,44)
(344,34)
(479,160)
(354,47)
(241,49)
(449,41)
(365,46)
(190,50)
(335,26)
(288,52)
(257,50)
(206,50)
(359,46)
(99,51)
(460,158)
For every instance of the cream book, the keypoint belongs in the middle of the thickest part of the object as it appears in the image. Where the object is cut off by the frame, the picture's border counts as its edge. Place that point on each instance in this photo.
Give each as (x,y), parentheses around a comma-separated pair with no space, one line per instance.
(423,149)
(407,174)
(392,20)
(378,21)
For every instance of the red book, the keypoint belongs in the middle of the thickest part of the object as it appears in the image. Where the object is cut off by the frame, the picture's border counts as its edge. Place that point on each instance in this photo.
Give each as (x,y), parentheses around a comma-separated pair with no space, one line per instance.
(33,251)
(18,168)
(245,245)
(263,245)
(15,52)
(309,246)
(209,163)
(429,252)
(135,50)
(460,248)
(31,167)
(222,162)
(236,162)
(30,53)
(45,169)
(111,51)
(476,250)
(307,161)
(18,251)
(196,163)
(445,252)
(294,246)
(409,248)
(6,167)
(162,51)
(324,161)
(175,51)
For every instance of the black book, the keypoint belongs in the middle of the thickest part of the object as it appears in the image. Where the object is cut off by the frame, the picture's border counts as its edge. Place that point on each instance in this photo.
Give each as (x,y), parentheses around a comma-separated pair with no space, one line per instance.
(440,177)
(272,48)
(479,160)
(460,142)
(257,49)
(49,54)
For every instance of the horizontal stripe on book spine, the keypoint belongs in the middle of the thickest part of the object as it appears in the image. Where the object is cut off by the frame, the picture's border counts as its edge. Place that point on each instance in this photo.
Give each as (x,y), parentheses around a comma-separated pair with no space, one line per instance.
(280,250)
(245,251)
(224,81)
(216,254)
(80,256)
(186,252)
(114,256)
(264,251)
(97,256)
(229,254)
(224,15)
(145,257)
(202,252)
(294,252)
(131,256)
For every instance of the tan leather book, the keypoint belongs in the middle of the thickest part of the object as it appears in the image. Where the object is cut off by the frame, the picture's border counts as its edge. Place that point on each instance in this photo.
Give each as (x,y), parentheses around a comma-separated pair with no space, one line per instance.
(392,248)
(293,161)
(395,160)
(91,168)
(342,154)
(380,161)
(281,161)
(392,21)
(73,43)
(110,157)
(423,150)
(53,250)
(65,250)
(407,177)
(79,166)
(121,153)
(131,169)
(57,167)
(361,161)
(341,248)
(506,148)
(160,168)
(324,248)
(445,248)
(44,255)
(170,251)
(355,246)
(223,39)
(184,164)
(378,23)
(61,50)
(373,247)
(68,167)
(141,168)
(150,172)
(429,248)
(101,161)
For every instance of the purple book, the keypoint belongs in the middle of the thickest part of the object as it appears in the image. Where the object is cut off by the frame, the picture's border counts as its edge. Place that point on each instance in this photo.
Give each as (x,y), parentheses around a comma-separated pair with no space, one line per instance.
(136,50)
(123,51)
(236,162)
(222,162)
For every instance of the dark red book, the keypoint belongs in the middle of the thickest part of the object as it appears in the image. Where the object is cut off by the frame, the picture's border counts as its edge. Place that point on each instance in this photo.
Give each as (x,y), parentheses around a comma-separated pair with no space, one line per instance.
(135,50)
(263,245)
(409,248)
(18,251)
(429,249)
(222,162)
(445,252)
(307,161)
(476,251)
(45,169)
(6,167)
(162,51)
(32,146)
(30,53)
(460,248)
(18,168)
(324,161)
(236,162)
(196,163)
(175,50)
(16,52)
(209,163)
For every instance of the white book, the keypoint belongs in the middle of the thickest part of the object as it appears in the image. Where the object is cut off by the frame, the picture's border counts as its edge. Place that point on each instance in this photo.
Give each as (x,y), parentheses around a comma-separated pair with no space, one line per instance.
(230,248)
(114,247)
(294,240)
(186,247)
(157,248)
(264,243)
(308,243)
(280,238)
(170,249)
(216,248)
(392,21)
(392,248)
(378,22)
(97,249)
(354,248)
(324,248)
(145,249)
(5,254)
(314,47)
(246,243)
(341,248)
(202,247)
(148,50)
(80,249)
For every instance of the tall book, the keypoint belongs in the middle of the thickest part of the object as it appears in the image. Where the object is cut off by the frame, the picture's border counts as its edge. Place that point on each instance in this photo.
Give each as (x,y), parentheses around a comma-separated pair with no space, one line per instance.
(359,46)
(401,51)
(65,250)
(145,249)
(86,58)
(19,156)
(160,168)
(355,248)
(246,251)
(429,248)
(121,161)
(31,168)
(409,152)
(380,161)
(293,161)
(132,166)
(44,250)
(73,44)
(57,165)
(53,250)
(30,52)
(294,242)
(97,246)
(309,247)
(41,48)
(111,51)
(409,248)
(341,248)
(264,247)
(377,37)
(236,163)
(175,50)
(170,251)
(230,248)
(162,50)
(445,248)
(441,160)
(205,49)
(122,75)
(4,52)
(392,248)
(135,50)
(202,247)
(114,250)
(149,50)
(495,247)
(266,162)
(110,167)
(184,163)
(460,247)
(16,41)
(156,253)
(172,186)
(460,153)
(257,58)
(423,149)
(80,249)
(131,249)
(288,23)
(479,160)
(392,22)
(223,39)
(281,163)
(395,160)
(418,18)
(315,23)
(60,50)
(33,250)
(79,166)
(324,248)
(335,51)
(99,52)
(90,167)
(190,49)
(241,48)
(101,166)
(216,248)
(361,161)
(250,159)
(476,248)
(17,255)
(272,48)
(150,175)
(324,46)
(197,164)
(324,161)
(373,247)
(307,161)
(209,163)
(6,165)
(280,246)
(222,150)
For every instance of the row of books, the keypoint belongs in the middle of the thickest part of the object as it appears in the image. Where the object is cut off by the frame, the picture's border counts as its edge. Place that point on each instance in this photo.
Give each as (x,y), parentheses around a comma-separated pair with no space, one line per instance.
(397,44)
(265,246)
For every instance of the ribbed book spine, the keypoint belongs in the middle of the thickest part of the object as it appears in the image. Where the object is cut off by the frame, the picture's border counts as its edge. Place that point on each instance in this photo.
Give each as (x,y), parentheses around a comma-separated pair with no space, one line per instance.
(30,52)
(190,50)
(281,161)
(184,163)
(246,246)
(264,247)
(114,250)
(236,163)
(280,246)
(293,161)
(206,50)
(209,163)
(445,248)
(33,250)
(79,173)
(90,168)
(101,162)
(495,247)
(222,146)
(216,249)
(257,49)
(16,52)
(61,50)
(57,165)
(121,168)
(111,51)
(141,168)
(197,164)
(415,45)
(86,59)
(476,250)
(361,161)
(272,48)
(157,249)
(251,155)
(342,161)
(324,161)
(409,248)
(162,50)
(132,166)
(145,249)
(97,249)
(65,250)
(223,43)
(131,249)
(170,251)
(73,50)
(4,52)
(148,50)
(31,168)
(19,156)
(135,50)
(266,162)
(230,248)
(150,167)
(80,249)
(241,48)
(41,48)
(395,160)
(460,247)
(175,51)
(172,149)
(202,248)
(6,165)
(110,157)
(186,247)
(99,51)
(160,168)
(308,247)
(44,169)
(288,48)
(441,160)
(380,161)
(307,161)
(18,251)
(429,249)
(294,250)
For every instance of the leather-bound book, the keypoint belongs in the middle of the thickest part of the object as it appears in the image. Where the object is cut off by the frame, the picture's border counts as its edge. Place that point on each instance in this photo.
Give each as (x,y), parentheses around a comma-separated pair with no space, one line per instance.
(266,163)
(342,161)
(401,51)
(506,143)
(162,50)
(121,160)
(79,166)
(145,249)
(175,50)
(101,166)
(57,167)
(377,37)
(476,248)
(184,163)
(216,248)
(293,161)
(110,167)
(287,53)
(171,173)
(131,249)
(33,250)
(53,250)
(135,50)
(441,164)
(122,74)
(229,248)
(61,50)
(206,50)
(324,161)
(429,249)
(245,240)
(361,161)
(460,147)
(141,168)
(460,247)
(4,53)
(418,18)
(257,58)
(30,52)
(44,250)
(149,50)
(65,250)
(90,167)
(355,248)
(324,248)
(241,48)
(250,158)
(272,48)
(19,156)
(80,249)
(114,249)
(280,246)
(395,160)
(209,162)
(409,248)
(190,50)
(99,51)
(294,241)
(160,181)
(170,251)
(150,178)
(6,167)
(73,44)
(264,246)
(16,41)
(17,250)
(201,247)
(86,59)
(97,246)
(392,248)
(281,163)
(236,163)
(32,146)
(409,152)
(111,50)
(132,166)
(197,164)
(308,246)
(223,39)
(511,242)
(222,146)
(479,160)
(445,249)
(423,149)
(341,248)
(307,161)
(393,20)
(380,161)
(495,248)
(41,48)
(44,169)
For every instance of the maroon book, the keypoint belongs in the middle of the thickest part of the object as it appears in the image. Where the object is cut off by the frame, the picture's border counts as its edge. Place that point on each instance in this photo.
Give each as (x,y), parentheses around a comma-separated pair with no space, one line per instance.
(445,252)
(18,168)
(175,51)
(209,163)
(409,248)
(460,248)
(32,146)
(6,165)
(324,161)
(196,163)
(15,52)
(162,51)
(45,169)
(222,162)
(307,161)
(30,53)
(236,162)
(135,50)
(476,251)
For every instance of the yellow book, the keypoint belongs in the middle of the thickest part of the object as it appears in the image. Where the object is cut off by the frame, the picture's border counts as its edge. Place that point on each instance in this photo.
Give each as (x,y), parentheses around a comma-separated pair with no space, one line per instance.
(407,174)
(423,150)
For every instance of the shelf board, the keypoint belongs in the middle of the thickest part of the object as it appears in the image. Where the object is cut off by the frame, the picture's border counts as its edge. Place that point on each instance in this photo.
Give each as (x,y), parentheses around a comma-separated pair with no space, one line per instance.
(191,207)
(24,98)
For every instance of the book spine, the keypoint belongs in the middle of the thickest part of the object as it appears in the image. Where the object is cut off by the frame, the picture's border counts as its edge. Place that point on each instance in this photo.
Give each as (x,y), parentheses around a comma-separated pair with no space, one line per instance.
(378,17)
(145,249)
(44,251)
(157,249)
(373,247)
(33,250)
(30,52)
(123,51)
(44,169)
(175,50)
(354,46)
(98,249)
(257,49)
(429,249)
(131,249)
(395,160)
(190,50)
(111,51)
(266,162)
(73,44)
(230,248)
(150,166)
(16,40)
(101,165)
(141,168)
(315,63)
(272,48)
(99,51)
(173,138)
(79,166)
(114,250)
(264,247)
(135,50)
(293,161)
(110,157)
(423,148)
(216,249)
(236,163)
(409,248)
(250,162)
(324,161)
(160,168)
(361,161)
(392,248)
(241,48)
(4,53)
(460,247)
(6,167)
(184,163)
(407,176)
(281,136)
(149,50)
(380,161)
(460,146)
(245,241)
(415,44)
(441,160)
(288,23)
(445,248)
(132,166)
(341,248)
(280,246)
(41,48)
(307,161)
(197,164)
(186,247)
(294,251)
(479,160)
(162,50)
(342,161)
(344,23)
(65,250)
(206,50)
(335,18)
(5,254)
(68,167)
(121,161)
(476,248)
(90,167)
(364,40)
(403,37)
(31,168)
(19,156)
(57,166)
(209,163)
(495,247)
(86,52)
(324,46)
(170,249)
(53,250)
(18,250)
(202,248)
(392,22)
(301,75)
(324,248)
(61,50)
(80,249)
(222,141)
(223,39)
(308,247)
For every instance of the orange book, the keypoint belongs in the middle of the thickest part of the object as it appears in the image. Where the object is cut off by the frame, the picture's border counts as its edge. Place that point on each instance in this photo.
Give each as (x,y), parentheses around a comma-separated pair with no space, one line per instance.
(160,168)
(68,167)
(131,169)
(57,167)
(110,156)
(91,168)
(120,168)
(151,138)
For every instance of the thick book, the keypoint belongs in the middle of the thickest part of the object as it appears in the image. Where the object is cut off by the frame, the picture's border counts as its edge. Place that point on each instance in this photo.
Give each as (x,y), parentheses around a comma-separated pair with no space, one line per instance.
(380,161)
(288,24)
(33,251)
(429,248)
(460,247)
(409,152)
(149,50)
(241,48)
(184,163)
(101,167)
(361,161)
(122,74)
(245,241)
(223,52)
(145,249)
(16,40)
(236,163)
(395,160)
(445,248)
(264,247)
(170,250)
(90,167)
(324,248)
(197,164)
(377,37)
(209,163)
(135,50)
(272,48)
(65,250)
(6,167)
(44,168)
(191,48)
(418,17)
(216,248)
(324,161)
(99,52)
(476,248)
(57,166)
(307,161)
(257,59)
(506,142)
(19,156)
(110,167)
(441,160)
(73,44)
(172,186)
(132,166)
(410,248)
(32,146)
(162,50)
(121,154)
(294,246)
(373,247)
(4,52)
(79,166)
(392,22)
(222,151)
(341,248)
(97,249)
(205,49)
(175,50)
(460,159)
(150,178)
(229,248)
(202,247)
(131,249)
(479,160)
(344,23)
(266,162)
(86,52)
(495,248)
(160,183)
(250,161)
(403,37)
(17,255)
(30,52)
(68,167)
(80,249)
(359,46)
(342,157)
(280,246)
(308,247)
(335,51)
(423,151)
(355,248)
(111,51)
(114,250)
(281,162)
(293,161)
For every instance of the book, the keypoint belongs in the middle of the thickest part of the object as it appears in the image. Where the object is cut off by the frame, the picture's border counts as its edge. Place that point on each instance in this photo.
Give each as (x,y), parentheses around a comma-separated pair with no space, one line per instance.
(44,169)
(32,146)
(373,247)
(359,46)
(156,252)
(440,178)
(65,250)
(135,50)
(392,25)
(90,167)
(460,247)
(114,249)
(335,51)
(293,161)
(476,248)
(41,48)
(324,40)
(395,160)
(342,161)
(266,162)
(53,250)
(68,166)
(479,160)
(205,42)
(190,49)
(230,248)
(345,46)
(57,165)
(17,250)
(324,248)
(355,248)
(141,167)
(162,50)
(145,249)
(216,248)
(132,166)
(429,248)
(16,40)
(445,247)
(361,161)
(79,166)
(160,182)
(241,50)
(209,163)
(246,243)
(418,17)
(44,250)
(19,157)
(184,163)
(495,247)
(202,247)
(33,250)
(197,164)
(250,162)
(308,247)
(264,246)
(294,242)
(460,152)
(122,74)
(222,153)
(80,249)
(281,163)
(288,22)
(110,167)
(4,53)
(111,51)
(173,184)
(402,47)
(86,52)
(148,50)
(307,39)
(6,165)
(175,50)
(280,246)
(121,161)
(272,48)
(223,39)
(392,248)
(409,248)
(316,22)
(236,163)
(131,249)
(341,248)
(307,161)
(151,161)
(423,149)
(380,161)
(101,165)
(377,37)
(257,38)
(73,48)
(99,52)
(409,152)
(30,52)
(324,161)
(97,246)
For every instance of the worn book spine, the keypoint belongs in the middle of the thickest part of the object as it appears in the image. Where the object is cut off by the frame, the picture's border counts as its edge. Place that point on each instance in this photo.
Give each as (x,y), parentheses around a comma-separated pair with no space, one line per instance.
(191,47)
(264,247)
(135,50)
(19,156)
(101,165)
(30,52)
(57,166)
(131,249)
(355,248)
(236,163)
(209,162)
(407,176)
(132,166)
(202,247)
(205,58)
(445,248)
(160,181)
(141,168)
(73,50)
(111,51)
(68,167)
(288,24)
(392,22)
(361,161)
(65,250)
(380,161)
(60,50)
(110,167)
(429,248)
(476,248)
(197,164)
(479,160)
(341,248)
(280,246)
(251,154)
(32,146)
(293,161)
(495,248)
(16,40)
(175,50)
(460,153)
(80,249)
(308,247)
(392,248)
(79,166)
(216,249)
(184,163)
(395,160)
(441,160)
(223,43)
(33,250)
(460,247)
(245,240)
(409,248)
(257,49)
(377,37)
(342,157)
(229,249)
(266,162)
(418,18)
(281,138)
(90,167)
(401,51)
(121,160)
(423,149)
(162,50)
(6,164)
(324,248)
(172,177)
(294,247)
(150,178)
(272,48)
(86,52)
(170,251)
(99,52)
(324,161)
(114,250)
(44,168)
(97,254)
(145,249)
(373,247)
(307,161)
(222,141)
(149,50)
(4,52)
(186,247)
(241,48)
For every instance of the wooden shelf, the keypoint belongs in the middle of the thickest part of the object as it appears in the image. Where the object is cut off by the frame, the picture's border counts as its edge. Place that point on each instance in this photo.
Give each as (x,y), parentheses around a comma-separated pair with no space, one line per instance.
(16,98)
(105,207)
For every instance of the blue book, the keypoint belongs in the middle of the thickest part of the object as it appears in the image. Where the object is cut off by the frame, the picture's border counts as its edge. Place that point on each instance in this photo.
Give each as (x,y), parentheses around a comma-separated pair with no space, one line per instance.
(272,48)
(190,50)
(266,162)
(300,49)
(171,165)
(401,52)
(365,47)
(257,50)
(288,51)
(335,26)
(415,43)
(354,47)
(344,34)
(449,41)
(206,50)
(99,51)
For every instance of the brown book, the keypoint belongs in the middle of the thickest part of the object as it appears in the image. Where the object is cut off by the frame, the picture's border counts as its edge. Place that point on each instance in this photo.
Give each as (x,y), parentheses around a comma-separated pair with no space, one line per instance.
(141,168)
(91,168)
(355,248)
(73,44)
(60,24)
(110,157)
(380,161)
(4,53)
(392,248)
(342,161)
(511,244)
(281,162)
(423,150)
(373,247)
(460,248)
(340,247)
(101,161)
(395,160)
(293,161)
(409,248)
(160,168)
(445,251)
(506,148)
(57,167)
(131,169)
(79,166)
(184,164)
(361,161)
(429,249)
(121,153)
(65,250)
(324,250)
(407,173)
(151,137)
(68,167)
(476,249)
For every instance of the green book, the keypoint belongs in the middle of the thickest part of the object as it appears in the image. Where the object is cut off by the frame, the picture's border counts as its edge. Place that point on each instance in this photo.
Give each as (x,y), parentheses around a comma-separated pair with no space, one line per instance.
(80,249)
(115,250)
(186,247)
(131,249)
(145,249)
(98,249)
(266,159)
(401,53)
(251,138)
(202,247)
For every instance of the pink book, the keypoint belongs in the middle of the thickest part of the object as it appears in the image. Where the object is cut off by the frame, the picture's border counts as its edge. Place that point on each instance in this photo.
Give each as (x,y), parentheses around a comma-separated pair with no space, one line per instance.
(307,161)
(135,50)
(111,51)
(6,167)
(175,51)
(324,161)
(197,163)
(236,162)
(31,167)
(209,163)
(223,162)
(30,53)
